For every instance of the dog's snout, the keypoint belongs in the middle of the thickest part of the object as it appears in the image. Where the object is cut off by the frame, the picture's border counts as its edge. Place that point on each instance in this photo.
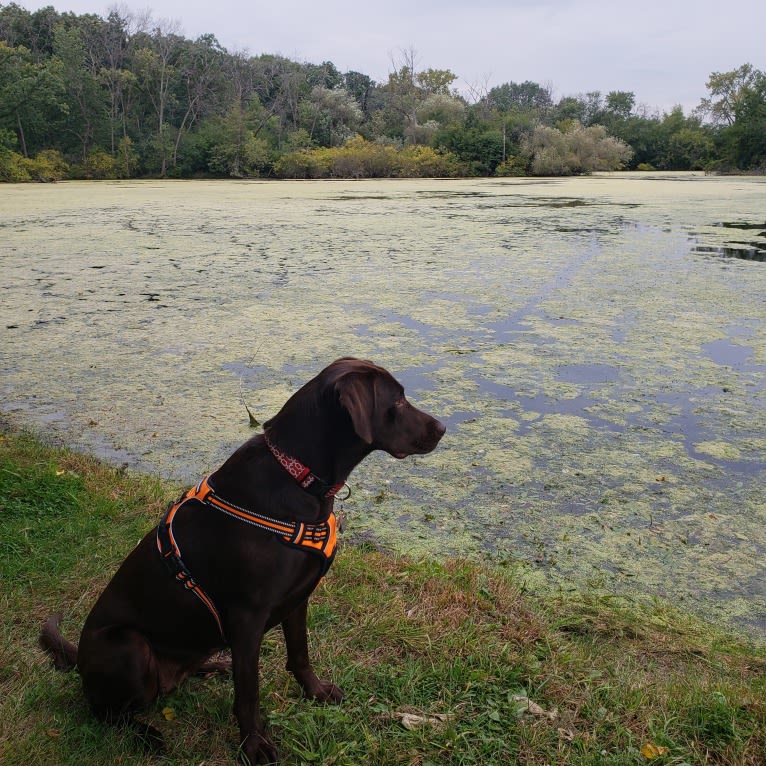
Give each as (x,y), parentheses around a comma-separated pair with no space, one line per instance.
(435,430)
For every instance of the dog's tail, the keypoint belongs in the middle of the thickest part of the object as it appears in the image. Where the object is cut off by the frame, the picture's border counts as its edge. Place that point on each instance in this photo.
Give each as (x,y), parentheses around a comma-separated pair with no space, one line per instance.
(64,652)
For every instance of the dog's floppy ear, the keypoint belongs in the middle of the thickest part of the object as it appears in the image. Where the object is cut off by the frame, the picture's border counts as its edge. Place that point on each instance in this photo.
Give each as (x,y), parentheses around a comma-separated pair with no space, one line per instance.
(356,394)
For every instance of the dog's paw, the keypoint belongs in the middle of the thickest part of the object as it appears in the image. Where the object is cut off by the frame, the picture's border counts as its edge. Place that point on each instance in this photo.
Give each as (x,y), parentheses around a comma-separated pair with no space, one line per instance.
(327,691)
(314,687)
(150,738)
(258,749)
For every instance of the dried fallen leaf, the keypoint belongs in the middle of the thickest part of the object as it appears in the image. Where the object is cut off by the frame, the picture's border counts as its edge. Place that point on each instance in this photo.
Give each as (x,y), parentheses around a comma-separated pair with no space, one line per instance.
(53,732)
(533,708)
(650,751)
(60,473)
(169,713)
(413,720)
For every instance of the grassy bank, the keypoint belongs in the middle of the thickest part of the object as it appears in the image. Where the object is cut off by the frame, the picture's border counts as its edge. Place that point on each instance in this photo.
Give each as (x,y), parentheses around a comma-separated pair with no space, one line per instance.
(491,676)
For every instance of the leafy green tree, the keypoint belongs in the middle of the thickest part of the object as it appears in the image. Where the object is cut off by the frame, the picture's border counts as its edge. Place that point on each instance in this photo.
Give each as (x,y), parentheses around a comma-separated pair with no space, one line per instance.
(126,160)
(281,86)
(435,112)
(585,108)
(324,75)
(404,94)
(745,139)
(690,149)
(478,146)
(110,39)
(33,31)
(726,90)
(154,66)
(620,104)
(200,84)
(569,109)
(442,109)
(86,101)
(332,116)
(402,98)
(359,86)
(521,97)
(737,108)
(32,97)
(235,150)
(647,139)
(617,110)
(684,143)
(435,82)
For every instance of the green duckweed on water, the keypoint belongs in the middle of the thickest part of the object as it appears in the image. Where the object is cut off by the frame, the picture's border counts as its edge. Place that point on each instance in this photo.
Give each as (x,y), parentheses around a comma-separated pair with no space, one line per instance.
(597,347)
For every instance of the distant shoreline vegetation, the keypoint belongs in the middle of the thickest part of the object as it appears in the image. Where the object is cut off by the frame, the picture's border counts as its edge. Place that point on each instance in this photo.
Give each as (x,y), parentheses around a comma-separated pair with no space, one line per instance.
(86,97)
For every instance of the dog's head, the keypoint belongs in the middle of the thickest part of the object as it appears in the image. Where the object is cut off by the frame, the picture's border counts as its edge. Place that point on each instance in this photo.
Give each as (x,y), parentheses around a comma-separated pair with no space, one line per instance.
(379,412)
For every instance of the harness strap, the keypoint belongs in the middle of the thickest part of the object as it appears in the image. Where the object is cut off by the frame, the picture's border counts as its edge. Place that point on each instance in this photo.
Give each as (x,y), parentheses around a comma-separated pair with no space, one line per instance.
(171,555)
(318,539)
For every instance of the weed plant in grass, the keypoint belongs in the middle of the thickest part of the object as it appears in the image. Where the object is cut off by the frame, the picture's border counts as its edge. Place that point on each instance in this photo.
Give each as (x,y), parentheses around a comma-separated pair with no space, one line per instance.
(487,674)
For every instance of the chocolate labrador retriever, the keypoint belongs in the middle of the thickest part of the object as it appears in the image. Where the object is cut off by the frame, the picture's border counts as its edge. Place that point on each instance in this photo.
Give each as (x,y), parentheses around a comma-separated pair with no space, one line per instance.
(240,553)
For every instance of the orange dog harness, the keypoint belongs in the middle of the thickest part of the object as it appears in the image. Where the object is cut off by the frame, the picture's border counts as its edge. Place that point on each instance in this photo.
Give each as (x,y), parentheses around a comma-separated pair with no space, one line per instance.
(319,539)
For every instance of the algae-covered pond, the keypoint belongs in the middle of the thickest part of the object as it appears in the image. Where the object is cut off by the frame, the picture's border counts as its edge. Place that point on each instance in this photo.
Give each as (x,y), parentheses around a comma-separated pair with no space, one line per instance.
(597,347)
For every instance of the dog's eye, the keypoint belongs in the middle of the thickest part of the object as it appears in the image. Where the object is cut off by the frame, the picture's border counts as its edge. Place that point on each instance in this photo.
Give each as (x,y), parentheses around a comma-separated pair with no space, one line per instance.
(392,411)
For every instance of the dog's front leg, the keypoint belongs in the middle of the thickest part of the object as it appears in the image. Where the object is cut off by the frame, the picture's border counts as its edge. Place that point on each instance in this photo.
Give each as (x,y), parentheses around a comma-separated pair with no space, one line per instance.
(245,631)
(298,663)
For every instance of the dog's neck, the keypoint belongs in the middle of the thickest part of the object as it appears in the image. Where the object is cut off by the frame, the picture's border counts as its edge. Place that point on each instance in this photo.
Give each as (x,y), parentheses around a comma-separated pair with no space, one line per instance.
(313,429)
(329,455)
(302,474)
(327,451)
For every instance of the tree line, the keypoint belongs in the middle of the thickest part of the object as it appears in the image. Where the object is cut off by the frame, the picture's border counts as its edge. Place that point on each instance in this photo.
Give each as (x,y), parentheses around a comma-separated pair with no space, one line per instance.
(83,96)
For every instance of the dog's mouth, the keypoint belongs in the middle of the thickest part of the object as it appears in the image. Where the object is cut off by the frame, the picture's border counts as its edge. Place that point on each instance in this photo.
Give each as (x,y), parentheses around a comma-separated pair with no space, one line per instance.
(418,448)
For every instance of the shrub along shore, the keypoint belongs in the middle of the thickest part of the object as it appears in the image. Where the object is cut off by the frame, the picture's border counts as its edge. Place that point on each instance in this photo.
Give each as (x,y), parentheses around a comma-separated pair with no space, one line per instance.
(442,662)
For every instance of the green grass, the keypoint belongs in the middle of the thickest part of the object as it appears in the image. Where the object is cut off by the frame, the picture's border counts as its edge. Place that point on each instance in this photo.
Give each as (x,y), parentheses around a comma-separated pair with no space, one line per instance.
(433,638)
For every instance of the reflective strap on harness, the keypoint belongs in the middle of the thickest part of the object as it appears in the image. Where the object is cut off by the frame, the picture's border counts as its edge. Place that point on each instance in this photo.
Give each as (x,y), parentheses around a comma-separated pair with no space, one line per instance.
(171,555)
(319,539)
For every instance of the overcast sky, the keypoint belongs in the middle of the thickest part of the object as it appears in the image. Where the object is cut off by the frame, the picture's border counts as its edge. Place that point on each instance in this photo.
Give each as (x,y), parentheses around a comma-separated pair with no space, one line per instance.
(662,50)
